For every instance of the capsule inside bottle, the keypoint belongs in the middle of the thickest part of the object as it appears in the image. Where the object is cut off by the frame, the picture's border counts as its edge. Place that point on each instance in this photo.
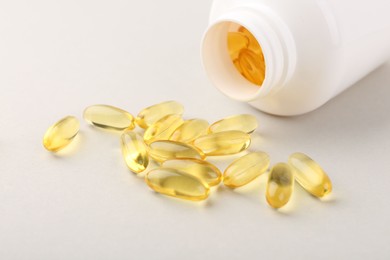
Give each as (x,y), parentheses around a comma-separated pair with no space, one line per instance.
(246,54)
(236,60)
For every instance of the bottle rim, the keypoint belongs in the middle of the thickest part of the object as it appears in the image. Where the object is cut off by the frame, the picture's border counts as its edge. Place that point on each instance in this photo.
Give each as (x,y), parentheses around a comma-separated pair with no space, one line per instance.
(279,60)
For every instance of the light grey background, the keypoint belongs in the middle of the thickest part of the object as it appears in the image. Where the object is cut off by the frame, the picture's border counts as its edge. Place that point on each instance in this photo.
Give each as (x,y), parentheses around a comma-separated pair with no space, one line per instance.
(57,57)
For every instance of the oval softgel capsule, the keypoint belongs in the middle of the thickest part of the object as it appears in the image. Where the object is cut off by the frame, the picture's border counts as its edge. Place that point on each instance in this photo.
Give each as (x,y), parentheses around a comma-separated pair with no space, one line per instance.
(280,185)
(190,130)
(108,117)
(203,170)
(236,41)
(134,151)
(245,169)
(163,150)
(61,134)
(178,184)
(244,123)
(310,175)
(163,128)
(148,116)
(223,143)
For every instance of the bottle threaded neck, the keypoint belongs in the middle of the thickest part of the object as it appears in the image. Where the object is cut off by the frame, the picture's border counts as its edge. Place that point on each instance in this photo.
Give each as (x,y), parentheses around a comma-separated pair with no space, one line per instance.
(270,69)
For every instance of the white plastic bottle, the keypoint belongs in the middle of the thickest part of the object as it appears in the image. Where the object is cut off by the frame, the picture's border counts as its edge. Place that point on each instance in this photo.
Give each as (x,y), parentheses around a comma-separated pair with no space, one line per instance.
(312,49)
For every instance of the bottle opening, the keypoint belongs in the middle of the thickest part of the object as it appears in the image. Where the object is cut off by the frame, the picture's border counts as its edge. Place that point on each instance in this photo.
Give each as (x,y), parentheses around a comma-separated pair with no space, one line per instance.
(235,67)
(246,54)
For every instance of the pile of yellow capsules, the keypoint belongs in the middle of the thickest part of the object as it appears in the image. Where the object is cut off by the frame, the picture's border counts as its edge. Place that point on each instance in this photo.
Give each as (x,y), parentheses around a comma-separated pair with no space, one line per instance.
(180,147)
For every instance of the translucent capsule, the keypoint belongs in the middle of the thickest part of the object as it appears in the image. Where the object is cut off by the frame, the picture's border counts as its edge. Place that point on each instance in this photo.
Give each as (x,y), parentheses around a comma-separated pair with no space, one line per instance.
(203,170)
(59,135)
(236,41)
(310,175)
(176,183)
(152,114)
(280,185)
(163,128)
(223,143)
(253,44)
(163,150)
(109,117)
(134,151)
(190,130)
(245,169)
(247,56)
(244,123)
(252,67)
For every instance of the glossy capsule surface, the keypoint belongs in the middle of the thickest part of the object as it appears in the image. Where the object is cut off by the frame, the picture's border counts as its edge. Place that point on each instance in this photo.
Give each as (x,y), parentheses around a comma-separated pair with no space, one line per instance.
(236,41)
(280,185)
(152,114)
(203,170)
(134,151)
(245,123)
(109,117)
(163,128)
(190,130)
(163,150)
(59,135)
(252,67)
(247,56)
(253,44)
(310,175)
(178,184)
(245,169)
(223,143)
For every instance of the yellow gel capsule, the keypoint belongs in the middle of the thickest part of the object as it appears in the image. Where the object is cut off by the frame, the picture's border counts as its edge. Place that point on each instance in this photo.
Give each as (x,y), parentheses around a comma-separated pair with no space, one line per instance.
(223,143)
(59,135)
(108,117)
(178,184)
(253,44)
(310,175)
(244,123)
(280,185)
(247,56)
(236,41)
(163,150)
(190,130)
(203,170)
(148,116)
(245,169)
(163,128)
(252,67)
(134,151)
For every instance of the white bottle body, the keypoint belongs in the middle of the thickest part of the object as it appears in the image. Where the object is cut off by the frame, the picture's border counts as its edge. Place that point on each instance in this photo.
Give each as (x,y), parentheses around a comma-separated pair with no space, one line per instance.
(325,47)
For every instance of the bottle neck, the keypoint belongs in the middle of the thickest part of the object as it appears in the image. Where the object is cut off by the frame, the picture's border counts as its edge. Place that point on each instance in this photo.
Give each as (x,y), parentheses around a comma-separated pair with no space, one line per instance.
(276,42)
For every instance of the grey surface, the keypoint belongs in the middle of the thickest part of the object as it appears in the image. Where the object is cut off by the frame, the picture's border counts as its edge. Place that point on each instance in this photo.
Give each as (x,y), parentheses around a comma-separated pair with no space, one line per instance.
(57,57)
